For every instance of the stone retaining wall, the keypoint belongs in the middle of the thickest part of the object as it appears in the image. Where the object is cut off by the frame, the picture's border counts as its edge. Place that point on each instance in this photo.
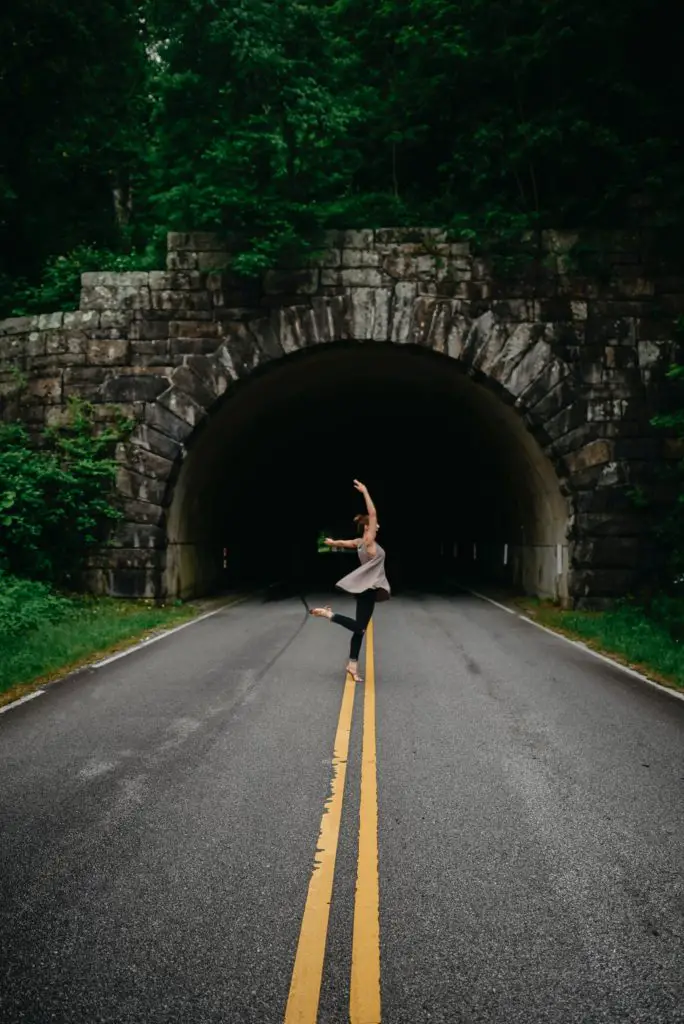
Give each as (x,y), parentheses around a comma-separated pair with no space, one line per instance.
(582,357)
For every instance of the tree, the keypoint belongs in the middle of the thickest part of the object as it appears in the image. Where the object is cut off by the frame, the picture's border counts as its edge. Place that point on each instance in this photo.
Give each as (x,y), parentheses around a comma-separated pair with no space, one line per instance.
(73,136)
(252,119)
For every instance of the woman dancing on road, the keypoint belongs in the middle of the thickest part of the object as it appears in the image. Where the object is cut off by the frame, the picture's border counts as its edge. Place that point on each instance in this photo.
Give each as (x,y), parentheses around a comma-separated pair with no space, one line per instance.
(368,582)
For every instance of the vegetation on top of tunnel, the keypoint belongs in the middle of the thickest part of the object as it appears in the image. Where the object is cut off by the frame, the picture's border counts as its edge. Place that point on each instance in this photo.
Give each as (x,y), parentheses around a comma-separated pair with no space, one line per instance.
(272,121)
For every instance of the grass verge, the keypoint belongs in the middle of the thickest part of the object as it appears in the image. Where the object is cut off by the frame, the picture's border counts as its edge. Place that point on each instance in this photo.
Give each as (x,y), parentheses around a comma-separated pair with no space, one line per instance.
(86,629)
(625,633)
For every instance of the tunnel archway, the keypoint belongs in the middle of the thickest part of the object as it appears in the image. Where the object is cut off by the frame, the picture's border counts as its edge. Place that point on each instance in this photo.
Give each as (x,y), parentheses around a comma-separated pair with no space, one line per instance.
(462,483)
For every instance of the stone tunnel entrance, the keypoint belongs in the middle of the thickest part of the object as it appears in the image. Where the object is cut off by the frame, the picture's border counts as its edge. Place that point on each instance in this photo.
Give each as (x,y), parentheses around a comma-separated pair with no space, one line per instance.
(462,486)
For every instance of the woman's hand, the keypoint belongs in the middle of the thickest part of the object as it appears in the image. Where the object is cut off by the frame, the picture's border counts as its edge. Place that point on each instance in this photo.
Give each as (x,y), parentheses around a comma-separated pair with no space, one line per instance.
(330,542)
(360,487)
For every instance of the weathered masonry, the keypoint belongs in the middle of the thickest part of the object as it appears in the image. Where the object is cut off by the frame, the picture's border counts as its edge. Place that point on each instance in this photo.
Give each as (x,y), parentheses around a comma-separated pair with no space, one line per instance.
(548,378)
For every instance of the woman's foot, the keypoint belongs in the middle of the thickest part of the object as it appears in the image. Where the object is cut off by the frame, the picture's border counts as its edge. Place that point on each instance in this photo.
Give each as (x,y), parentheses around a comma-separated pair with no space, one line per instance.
(322,613)
(353,670)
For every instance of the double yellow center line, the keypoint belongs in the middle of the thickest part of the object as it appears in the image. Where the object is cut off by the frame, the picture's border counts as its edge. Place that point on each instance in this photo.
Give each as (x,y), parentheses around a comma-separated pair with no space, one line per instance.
(305,987)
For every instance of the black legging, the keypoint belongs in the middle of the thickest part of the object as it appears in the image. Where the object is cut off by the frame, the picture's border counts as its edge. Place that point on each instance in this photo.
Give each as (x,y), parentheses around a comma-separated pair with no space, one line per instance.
(365,603)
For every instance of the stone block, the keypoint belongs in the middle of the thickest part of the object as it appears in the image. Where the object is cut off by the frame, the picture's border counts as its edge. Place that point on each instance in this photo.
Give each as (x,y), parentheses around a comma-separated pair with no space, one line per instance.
(142,488)
(175,281)
(109,352)
(180,301)
(210,372)
(370,313)
(285,326)
(182,261)
(154,441)
(333,317)
(65,343)
(406,264)
(103,297)
(208,261)
(183,378)
(18,325)
(409,236)
(161,418)
(352,277)
(194,329)
(150,353)
(135,583)
(35,345)
(142,460)
(606,409)
(329,258)
(50,321)
(142,512)
(199,241)
(606,330)
(607,552)
(359,258)
(148,330)
(137,535)
(140,387)
(357,239)
(594,583)
(443,311)
(291,282)
(120,558)
(266,332)
(190,346)
(46,390)
(596,453)
(405,295)
(82,320)
(115,279)
(631,286)
(182,405)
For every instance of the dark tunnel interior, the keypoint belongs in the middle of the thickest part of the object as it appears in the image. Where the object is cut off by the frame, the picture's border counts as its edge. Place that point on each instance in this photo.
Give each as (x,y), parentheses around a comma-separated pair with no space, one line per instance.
(461,486)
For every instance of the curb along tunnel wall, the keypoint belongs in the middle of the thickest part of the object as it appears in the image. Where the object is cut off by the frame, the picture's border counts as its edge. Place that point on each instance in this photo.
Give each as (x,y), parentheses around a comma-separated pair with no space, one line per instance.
(501,421)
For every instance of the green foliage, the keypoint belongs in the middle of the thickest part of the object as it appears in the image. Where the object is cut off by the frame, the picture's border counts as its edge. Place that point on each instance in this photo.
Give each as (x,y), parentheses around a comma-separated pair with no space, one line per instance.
(272,120)
(44,633)
(650,640)
(54,496)
(27,604)
(60,283)
(74,109)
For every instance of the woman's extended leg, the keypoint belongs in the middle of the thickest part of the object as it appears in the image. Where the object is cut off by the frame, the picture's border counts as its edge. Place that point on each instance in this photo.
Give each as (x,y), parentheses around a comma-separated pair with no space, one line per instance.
(365,603)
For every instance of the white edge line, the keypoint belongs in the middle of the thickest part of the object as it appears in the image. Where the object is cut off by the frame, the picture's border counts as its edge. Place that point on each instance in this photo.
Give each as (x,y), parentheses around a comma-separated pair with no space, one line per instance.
(491,600)
(20,700)
(583,647)
(123,654)
(160,636)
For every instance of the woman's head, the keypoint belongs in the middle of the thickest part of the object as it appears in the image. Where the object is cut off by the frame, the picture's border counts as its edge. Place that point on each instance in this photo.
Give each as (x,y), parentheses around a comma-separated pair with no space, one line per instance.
(362,522)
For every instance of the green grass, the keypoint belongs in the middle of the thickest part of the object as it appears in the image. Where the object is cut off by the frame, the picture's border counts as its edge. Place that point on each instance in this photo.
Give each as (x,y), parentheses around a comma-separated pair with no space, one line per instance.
(626,632)
(83,629)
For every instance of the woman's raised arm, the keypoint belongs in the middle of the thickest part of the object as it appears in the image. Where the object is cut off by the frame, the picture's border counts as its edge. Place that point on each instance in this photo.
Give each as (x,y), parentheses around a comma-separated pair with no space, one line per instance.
(372,528)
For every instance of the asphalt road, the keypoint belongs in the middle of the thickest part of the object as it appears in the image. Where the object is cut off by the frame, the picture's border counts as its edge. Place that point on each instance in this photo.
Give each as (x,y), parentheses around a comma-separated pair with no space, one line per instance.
(160,815)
